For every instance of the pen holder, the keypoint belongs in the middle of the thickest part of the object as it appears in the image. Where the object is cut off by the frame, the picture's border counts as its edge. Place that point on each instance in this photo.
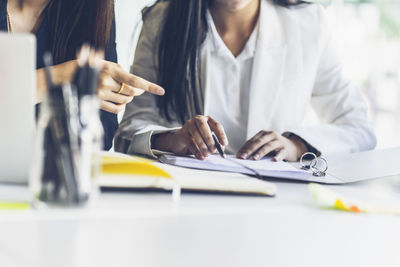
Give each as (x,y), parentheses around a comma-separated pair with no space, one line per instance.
(68,136)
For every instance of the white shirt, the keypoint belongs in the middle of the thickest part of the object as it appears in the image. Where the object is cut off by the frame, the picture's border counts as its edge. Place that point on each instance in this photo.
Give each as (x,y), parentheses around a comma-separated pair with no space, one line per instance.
(230,80)
(295,66)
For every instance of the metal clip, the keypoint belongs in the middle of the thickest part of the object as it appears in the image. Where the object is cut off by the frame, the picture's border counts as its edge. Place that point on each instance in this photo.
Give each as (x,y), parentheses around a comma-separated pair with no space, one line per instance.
(317,165)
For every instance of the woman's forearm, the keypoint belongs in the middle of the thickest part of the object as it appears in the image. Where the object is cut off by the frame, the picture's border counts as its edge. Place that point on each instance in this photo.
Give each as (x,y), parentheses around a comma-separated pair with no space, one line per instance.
(41,86)
(161,142)
(61,73)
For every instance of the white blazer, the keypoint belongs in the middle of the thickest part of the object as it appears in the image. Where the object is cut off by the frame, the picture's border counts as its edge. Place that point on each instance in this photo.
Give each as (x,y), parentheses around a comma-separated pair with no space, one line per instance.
(296,66)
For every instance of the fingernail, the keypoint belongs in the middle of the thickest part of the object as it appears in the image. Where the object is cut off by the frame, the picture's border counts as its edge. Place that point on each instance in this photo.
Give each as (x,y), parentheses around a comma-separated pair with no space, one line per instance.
(243,156)
(256,157)
(160,91)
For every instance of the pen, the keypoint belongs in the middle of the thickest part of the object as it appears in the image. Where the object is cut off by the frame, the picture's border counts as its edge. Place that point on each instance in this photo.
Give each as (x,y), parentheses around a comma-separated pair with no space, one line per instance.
(218,146)
(61,147)
(48,61)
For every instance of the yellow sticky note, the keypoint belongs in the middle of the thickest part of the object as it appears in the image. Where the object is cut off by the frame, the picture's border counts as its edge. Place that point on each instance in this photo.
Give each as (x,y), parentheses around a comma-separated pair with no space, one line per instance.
(14,206)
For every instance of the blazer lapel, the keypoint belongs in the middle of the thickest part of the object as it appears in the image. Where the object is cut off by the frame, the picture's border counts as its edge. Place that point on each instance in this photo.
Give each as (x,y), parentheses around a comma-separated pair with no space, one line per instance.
(268,69)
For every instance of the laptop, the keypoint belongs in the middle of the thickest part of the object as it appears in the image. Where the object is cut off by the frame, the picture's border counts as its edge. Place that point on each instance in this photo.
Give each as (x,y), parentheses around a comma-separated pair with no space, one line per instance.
(17,107)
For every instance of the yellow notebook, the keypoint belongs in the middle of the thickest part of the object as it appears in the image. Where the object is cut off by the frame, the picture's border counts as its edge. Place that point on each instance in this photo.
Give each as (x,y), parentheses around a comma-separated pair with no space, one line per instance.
(120,171)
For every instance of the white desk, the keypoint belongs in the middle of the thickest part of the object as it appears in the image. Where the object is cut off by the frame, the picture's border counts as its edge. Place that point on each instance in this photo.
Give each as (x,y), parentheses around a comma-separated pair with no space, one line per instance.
(204,230)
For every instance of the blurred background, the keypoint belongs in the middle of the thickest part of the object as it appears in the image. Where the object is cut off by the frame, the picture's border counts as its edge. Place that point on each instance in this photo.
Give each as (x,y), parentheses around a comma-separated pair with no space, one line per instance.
(368,32)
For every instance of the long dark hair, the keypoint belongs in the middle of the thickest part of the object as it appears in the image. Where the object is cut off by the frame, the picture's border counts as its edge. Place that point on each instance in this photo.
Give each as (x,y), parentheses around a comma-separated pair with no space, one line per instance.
(185,29)
(75,22)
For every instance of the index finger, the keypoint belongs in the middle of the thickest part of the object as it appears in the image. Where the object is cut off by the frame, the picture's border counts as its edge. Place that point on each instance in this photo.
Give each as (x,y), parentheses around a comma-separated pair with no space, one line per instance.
(122,76)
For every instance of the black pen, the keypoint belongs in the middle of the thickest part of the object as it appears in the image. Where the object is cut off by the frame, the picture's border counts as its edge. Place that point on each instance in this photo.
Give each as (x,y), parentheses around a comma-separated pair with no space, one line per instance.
(60,131)
(48,62)
(218,146)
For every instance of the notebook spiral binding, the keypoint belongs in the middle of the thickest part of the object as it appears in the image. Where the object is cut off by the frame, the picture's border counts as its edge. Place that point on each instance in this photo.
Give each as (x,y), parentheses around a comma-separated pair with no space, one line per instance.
(318,165)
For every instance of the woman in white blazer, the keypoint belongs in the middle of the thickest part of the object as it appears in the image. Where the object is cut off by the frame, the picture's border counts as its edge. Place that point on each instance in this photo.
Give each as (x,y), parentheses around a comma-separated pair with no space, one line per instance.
(247,70)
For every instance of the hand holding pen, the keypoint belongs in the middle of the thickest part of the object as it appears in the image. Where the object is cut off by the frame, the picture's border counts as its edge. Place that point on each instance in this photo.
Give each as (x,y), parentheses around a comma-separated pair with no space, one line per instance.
(195,137)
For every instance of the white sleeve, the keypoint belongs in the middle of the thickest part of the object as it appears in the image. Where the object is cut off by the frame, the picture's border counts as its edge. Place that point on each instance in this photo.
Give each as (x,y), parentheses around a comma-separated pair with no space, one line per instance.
(345,126)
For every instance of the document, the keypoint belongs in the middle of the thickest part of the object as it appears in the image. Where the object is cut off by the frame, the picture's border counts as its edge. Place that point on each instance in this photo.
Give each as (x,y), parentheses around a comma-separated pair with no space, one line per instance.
(265,167)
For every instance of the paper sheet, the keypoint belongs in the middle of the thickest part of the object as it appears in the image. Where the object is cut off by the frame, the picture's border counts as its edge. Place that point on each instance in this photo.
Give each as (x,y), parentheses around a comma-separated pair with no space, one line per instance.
(266,166)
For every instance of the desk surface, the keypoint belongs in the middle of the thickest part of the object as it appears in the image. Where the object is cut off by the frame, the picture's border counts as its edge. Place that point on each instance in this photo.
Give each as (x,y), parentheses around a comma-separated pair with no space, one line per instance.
(149,229)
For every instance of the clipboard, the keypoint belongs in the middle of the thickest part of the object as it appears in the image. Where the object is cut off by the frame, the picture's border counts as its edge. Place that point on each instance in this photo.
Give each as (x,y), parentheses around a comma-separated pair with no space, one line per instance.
(356,167)
(363,166)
